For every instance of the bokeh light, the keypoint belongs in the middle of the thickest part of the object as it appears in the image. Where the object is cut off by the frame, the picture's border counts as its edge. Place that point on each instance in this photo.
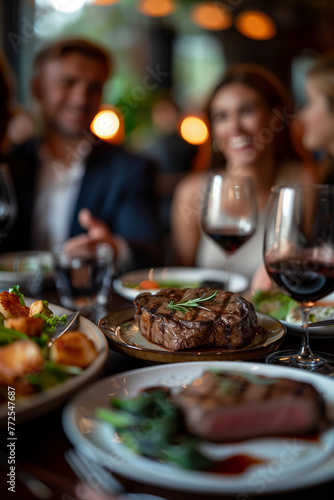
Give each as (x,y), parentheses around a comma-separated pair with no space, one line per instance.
(256,25)
(194,130)
(104,2)
(211,16)
(105,124)
(68,6)
(156,8)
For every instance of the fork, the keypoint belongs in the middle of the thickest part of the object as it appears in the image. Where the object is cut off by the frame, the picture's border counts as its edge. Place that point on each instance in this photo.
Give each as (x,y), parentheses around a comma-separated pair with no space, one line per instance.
(60,329)
(88,471)
(92,474)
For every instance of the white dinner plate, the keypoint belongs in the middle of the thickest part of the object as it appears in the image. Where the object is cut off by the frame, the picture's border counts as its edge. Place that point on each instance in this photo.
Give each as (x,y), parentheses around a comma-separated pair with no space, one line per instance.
(289,463)
(321,332)
(27,408)
(183,276)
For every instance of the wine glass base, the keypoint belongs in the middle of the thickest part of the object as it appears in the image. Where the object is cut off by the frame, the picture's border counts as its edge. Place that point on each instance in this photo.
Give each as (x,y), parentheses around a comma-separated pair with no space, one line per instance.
(322,362)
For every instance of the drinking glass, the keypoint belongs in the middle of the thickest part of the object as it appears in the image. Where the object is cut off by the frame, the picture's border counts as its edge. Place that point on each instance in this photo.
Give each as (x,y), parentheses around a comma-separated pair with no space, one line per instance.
(299,257)
(229,214)
(83,279)
(8,202)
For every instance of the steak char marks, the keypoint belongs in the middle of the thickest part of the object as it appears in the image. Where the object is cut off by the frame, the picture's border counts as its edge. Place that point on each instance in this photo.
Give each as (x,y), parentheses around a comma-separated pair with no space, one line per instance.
(230,321)
(227,407)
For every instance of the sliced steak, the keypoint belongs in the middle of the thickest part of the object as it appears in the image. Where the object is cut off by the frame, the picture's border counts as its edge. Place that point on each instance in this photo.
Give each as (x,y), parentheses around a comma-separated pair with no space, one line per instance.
(230,321)
(227,407)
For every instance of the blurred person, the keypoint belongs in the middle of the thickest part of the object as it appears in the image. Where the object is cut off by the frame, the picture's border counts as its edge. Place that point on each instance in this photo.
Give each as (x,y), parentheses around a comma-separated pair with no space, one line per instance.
(250,113)
(6,103)
(21,127)
(17,124)
(72,186)
(317,119)
(317,115)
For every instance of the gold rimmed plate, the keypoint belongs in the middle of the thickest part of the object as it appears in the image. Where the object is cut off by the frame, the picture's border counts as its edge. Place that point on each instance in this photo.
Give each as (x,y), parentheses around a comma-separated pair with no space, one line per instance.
(124,336)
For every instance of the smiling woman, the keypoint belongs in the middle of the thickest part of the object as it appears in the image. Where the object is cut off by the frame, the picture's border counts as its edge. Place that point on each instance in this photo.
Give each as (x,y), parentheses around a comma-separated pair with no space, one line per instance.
(250,115)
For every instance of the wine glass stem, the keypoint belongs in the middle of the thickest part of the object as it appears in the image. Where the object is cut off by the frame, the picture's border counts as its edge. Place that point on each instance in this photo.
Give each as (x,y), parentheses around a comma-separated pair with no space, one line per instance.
(305,353)
(229,269)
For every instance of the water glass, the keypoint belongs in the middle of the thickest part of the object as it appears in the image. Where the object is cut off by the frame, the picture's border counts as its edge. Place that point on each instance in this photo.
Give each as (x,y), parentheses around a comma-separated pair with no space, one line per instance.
(83,279)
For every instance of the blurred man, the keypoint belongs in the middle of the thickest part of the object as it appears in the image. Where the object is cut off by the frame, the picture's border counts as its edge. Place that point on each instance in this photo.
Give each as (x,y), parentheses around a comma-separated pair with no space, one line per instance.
(71,186)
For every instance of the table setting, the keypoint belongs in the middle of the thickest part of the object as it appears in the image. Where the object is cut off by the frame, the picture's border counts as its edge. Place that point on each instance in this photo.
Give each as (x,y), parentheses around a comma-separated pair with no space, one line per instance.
(41,434)
(67,441)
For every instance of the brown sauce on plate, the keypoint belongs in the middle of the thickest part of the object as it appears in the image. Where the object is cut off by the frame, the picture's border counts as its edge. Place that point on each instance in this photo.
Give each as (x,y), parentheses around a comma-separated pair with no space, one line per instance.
(234,465)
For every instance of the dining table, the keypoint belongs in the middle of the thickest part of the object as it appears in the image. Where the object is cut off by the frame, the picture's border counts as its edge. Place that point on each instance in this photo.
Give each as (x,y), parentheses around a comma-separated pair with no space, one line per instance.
(42,444)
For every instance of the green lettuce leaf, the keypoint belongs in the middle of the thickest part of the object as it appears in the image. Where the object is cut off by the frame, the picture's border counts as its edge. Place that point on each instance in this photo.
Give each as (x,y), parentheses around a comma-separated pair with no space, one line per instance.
(16,290)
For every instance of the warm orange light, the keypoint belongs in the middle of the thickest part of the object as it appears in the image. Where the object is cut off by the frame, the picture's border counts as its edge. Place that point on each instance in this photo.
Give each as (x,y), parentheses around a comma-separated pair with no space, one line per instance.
(105,124)
(194,130)
(156,8)
(211,16)
(104,2)
(255,24)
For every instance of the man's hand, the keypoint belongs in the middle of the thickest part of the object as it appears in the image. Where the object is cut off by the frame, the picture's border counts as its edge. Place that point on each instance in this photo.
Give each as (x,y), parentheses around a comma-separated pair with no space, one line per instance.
(97,232)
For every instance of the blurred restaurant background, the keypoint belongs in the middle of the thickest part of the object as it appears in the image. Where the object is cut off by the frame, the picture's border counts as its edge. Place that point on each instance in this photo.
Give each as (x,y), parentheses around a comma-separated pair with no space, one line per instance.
(169,54)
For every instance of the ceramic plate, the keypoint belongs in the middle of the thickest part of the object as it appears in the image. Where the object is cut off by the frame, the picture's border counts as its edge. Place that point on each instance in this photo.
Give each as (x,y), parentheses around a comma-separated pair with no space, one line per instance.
(288,463)
(125,337)
(322,332)
(32,406)
(182,277)
(27,269)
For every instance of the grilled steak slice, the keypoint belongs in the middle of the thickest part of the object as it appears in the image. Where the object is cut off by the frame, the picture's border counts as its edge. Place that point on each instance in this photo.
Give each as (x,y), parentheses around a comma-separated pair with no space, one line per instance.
(227,407)
(230,321)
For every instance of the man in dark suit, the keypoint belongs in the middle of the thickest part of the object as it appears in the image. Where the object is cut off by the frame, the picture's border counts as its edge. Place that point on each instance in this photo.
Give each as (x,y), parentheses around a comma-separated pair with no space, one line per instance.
(71,186)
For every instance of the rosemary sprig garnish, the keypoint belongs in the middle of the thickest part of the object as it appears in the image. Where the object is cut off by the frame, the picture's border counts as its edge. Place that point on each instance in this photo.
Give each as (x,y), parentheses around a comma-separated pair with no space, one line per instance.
(184,304)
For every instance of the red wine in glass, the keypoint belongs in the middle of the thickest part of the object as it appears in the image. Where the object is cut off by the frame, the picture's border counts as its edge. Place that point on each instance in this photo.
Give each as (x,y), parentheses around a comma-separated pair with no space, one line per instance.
(230,240)
(303,280)
(229,214)
(299,258)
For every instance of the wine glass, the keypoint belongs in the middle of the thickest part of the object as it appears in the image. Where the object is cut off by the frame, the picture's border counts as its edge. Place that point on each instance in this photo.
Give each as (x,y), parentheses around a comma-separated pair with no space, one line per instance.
(299,257)
(8,202)
(229,214)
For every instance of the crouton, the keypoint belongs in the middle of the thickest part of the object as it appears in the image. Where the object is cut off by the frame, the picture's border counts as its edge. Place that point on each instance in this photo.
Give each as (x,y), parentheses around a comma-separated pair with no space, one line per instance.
(18,359)
(40,307)
(73,348)
(29,325)
(11,307)
(36,307)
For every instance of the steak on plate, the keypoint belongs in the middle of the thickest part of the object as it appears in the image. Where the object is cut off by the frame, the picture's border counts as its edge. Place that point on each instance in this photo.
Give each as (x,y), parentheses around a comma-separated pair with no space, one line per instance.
(223,407)
(230,321)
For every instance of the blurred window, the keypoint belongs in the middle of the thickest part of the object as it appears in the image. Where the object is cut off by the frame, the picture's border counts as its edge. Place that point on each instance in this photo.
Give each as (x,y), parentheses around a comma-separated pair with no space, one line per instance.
(300,66)
(198,64)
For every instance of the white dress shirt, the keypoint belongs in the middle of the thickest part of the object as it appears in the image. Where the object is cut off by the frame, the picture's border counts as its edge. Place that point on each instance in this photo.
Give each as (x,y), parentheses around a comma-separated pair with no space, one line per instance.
(57,190)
